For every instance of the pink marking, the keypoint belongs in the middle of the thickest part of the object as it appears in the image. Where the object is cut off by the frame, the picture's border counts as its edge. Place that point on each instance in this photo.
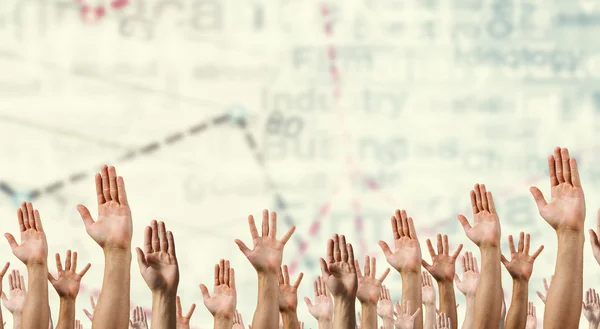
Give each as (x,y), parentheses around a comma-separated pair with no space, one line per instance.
(314,228)
(328,29)
(324,10)
(100,12)
(117,4)
(372,184)
(324,209)
(331,53)
(334,73)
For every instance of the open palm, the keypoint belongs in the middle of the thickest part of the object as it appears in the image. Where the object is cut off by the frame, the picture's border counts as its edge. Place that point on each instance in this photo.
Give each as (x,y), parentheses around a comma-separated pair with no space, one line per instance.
(17,291)
(520,266)
(339,272)
(486,228)
(224,298)
(406,256)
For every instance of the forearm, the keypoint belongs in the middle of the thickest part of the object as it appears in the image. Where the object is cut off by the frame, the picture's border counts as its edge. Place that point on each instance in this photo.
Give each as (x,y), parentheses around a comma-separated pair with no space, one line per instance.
(516,318)
(368,318)
(344,311)
(324,324)
(429,317)
(267,306)
(563,303)
(469,313)
(36,310)
(66,314)
(17,321)
(448,301)
(488,298)
(388,323)
(290,320)
(112,310)
(411,290)
(164,312)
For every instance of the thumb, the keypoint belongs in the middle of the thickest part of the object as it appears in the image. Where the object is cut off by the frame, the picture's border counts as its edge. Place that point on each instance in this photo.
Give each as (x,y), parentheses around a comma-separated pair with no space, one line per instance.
(325,273)
(464,222)
(11,240)
(385,248)
(142,263)
(204,291)
(242,247)
(594,240)
(308,302)
(504,261)
(426,265)
(457,279)
(4,299)
(85,215)
(51,278)
(540,201)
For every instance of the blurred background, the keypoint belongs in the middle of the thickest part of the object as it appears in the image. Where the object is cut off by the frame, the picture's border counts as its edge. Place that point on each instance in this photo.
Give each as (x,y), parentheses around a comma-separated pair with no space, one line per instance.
(333,114)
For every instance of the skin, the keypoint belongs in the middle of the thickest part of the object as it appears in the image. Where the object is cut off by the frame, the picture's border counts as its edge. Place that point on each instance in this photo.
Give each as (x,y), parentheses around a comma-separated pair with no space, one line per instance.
(531,317)
(288,298)
(2,273)
(183,321)
(159,268)
(266,257)
(112,231)
(405,320)
(33,252)
(339,274)
(428,293)
(520,268)
(443,271)
(468,287)
(138,319)
(485,233)
(591,308)
(67,287)
(224,299)
(322,310)
(15,303)
(565,213)
(238,322)
(406,259)
(442,322)
(546,288)
(369,290)
(385,308)
(90,315)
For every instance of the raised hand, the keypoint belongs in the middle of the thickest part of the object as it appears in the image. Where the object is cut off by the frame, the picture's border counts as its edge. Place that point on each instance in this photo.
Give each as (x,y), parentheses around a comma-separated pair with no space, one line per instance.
(486,230)
(238,322)
(520,266)
(595,240)
(90,315)
(405,320)
(385,308)
(267,252)
(322,310)
(183,322)
(78,324)
(339,272)
(442,322)
(442,268)
(114,228)
(427,290)
(470,280)
(288,293)
(68,281)
(33,248)
(407,252)
(591,307)
(223,301)
(138,319)
(369,287)
(158,261)
(546,288)
(566,210)
(17,292)
(531,318)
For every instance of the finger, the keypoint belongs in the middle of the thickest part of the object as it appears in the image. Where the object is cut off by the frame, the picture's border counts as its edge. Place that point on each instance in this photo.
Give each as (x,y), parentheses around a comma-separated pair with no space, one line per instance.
(566,165)
(68,261)
(430,248)
(285,276)
(465,262)
(504,261)
(491,204)
(121,192)
(221,270)
(142,263)
(384,275)
(404,222)
(85,270)
(464,222)
(298,280)
(22,227)
(11,241)
(286,237)
(477,191)
(204,291)
(457,251)
(59,267)
(575,173)
(226,272)
(367,266)
(426,265)
(308,303)
(445,245)
(344,249)
(30,215)
(511,245)
(558,165)
(191,312)
(4,269)
(324,269)
(112,183)
(373,268)
(540,201)
(243,248)
(537,252)
(440,248)
(545,285)
(484,200)
(265,223)
(99,191)
(395,228)
(22,282)
(155,237)
(74,261)
(411,228)
(330,248)
(252,225)
(527,243)
(337,254)
(85,215)
(475,267)
(552,171)
(358,271)
(316,287)
(171,244)
(217,282)
(521,242)
(385,248)
(350,257)
(232,278)
(273,225)
(473,198)
(162,237)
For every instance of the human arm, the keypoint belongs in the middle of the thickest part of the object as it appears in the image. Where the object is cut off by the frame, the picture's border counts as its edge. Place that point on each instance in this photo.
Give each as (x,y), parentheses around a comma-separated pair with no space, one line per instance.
(159,268)
(112,231)
(266,257)
(2,273)
(368,292)
(468,287)
(531,317)
(67,287)
(322,310)
(565,213)
(406,259)
(183,321)
(15,303)
(339,274)
(288,298)
(485,233)
(224,299)
(520,268)
(385,308)
(33,252)
(443,271)
(428,293)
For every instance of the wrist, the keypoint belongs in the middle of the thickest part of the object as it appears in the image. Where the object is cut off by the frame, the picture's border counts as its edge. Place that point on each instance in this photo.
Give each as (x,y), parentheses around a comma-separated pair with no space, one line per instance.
(164,296)
(37,265)
(570,235)
(123,254)
(288,313)
(67,300)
